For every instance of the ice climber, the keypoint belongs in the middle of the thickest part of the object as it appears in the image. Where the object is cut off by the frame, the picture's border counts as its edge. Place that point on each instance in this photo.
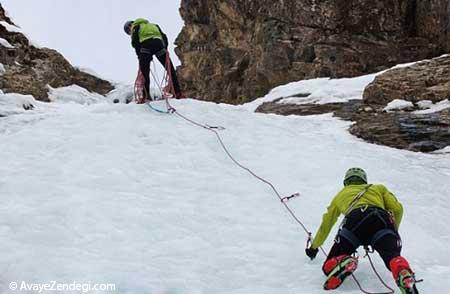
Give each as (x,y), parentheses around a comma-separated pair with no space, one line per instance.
(372,218)
(148,40)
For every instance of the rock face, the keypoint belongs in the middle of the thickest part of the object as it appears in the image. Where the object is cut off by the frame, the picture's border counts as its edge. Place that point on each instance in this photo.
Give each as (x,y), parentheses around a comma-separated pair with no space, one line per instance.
(433,21)
(28,70)
(428,80)
(405,129)
(235,51)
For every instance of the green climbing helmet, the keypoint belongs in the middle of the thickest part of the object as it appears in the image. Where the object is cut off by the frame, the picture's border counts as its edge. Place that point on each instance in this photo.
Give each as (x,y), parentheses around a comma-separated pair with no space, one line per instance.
(355,175)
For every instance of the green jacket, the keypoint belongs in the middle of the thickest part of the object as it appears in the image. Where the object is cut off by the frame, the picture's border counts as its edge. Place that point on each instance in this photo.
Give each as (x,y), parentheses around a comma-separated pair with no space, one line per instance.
(146,30)
(376,195)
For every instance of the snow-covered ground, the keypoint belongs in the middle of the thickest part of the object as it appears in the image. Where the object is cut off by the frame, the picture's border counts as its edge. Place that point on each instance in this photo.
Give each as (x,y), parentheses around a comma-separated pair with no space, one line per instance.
(321,90)
(116,193)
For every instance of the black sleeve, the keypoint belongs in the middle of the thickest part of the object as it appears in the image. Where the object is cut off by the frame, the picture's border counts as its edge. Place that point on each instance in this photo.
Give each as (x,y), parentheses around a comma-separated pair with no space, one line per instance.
(135,40)
(164,36)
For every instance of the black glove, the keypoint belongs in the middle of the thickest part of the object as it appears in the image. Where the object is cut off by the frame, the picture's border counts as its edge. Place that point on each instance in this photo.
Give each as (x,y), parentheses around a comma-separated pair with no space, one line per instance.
(311,252)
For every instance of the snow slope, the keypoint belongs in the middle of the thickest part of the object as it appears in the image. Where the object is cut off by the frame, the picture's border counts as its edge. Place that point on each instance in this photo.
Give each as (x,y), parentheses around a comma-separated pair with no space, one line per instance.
(116,193)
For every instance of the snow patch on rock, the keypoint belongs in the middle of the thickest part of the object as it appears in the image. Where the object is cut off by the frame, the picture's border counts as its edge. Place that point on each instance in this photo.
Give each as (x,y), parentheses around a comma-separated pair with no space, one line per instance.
(74,94)
(15,103)
(321,90)
(399,104)
(317,91)
(2,69)
(6,44)
(15,29)
(429,107)
(11,28)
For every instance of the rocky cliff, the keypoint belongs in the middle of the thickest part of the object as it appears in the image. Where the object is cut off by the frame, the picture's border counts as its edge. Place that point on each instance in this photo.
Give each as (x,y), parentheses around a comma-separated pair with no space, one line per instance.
(28,70)
(236,50)
(433,22)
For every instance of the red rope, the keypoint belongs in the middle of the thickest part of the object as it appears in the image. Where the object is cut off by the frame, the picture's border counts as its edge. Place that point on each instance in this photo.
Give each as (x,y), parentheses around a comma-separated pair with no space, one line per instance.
(139,88)
(282,200)
(167,88)
(169,79)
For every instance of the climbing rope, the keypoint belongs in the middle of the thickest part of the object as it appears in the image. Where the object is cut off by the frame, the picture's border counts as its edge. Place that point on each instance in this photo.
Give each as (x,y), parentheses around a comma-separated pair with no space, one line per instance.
(140,93)
(139,88)
(284,200)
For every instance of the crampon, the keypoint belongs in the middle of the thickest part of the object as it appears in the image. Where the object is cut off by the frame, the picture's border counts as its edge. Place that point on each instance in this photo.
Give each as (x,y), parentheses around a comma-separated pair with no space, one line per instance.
(407,282)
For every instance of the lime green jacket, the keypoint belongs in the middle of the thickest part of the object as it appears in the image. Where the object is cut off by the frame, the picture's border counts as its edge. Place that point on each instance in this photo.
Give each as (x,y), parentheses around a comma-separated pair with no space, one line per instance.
(147,30)
(376,195)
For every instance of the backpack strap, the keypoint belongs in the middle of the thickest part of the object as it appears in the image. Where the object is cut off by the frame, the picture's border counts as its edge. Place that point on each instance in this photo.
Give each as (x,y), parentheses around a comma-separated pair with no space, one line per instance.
(357,197)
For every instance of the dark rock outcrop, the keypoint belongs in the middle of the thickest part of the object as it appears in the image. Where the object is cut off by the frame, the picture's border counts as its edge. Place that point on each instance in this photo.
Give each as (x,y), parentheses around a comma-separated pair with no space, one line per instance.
(28,70)
(415,132)
(234,51)
(428,80)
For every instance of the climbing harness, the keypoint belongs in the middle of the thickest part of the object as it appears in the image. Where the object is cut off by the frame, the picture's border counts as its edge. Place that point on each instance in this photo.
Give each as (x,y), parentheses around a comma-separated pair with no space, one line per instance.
(371,211)
(166,88)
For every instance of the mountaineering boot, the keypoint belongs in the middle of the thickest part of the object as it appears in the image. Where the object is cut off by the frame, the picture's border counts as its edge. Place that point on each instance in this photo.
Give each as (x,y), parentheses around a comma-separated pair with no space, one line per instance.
(403,275)
(338,269)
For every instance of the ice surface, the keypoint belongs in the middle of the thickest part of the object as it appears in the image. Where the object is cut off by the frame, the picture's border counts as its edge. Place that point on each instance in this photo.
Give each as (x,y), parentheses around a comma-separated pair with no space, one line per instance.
(113,192)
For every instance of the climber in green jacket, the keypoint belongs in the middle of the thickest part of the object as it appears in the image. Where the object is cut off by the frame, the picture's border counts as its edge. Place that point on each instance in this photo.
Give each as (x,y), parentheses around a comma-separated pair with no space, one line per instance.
(372,216)
(148,40)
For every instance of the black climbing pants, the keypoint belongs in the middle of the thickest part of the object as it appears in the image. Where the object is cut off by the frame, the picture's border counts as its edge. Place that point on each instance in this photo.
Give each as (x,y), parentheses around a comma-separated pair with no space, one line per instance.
(155,47)
(368,226)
